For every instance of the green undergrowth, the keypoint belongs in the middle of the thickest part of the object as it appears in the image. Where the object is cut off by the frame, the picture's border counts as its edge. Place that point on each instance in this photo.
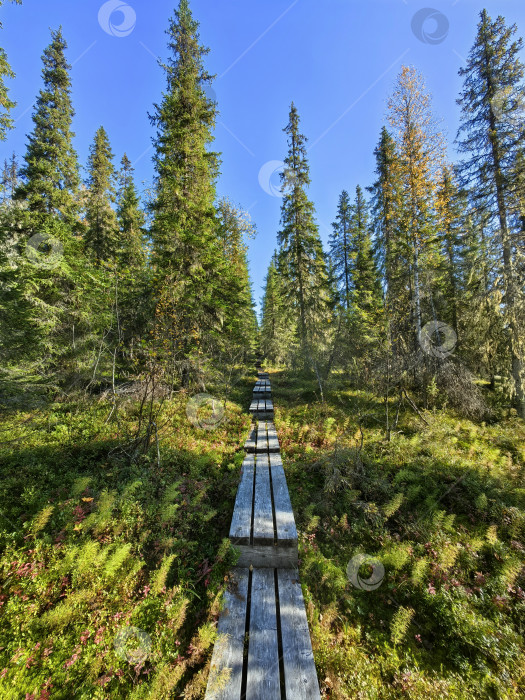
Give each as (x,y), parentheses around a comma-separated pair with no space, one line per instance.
(112,569)
(434,607)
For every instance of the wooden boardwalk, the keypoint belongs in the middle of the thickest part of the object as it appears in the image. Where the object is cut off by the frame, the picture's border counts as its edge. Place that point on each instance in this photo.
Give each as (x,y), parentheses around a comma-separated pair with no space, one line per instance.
(261,408)
(262,438)
(263,651)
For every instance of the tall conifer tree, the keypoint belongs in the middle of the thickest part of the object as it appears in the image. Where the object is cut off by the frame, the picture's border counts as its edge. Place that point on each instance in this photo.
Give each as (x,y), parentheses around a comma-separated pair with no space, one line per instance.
(275,326)
(391,243)
(490,136)
(6,104)
(9,180)
(240,323)
(131,218)
(301,258)
(186,255)
(340,254)
(365,282)
(101,221)
(51,173)
(450,209)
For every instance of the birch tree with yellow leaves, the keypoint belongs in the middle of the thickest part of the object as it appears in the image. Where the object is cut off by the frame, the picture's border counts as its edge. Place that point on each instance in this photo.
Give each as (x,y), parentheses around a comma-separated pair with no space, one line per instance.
(421,150)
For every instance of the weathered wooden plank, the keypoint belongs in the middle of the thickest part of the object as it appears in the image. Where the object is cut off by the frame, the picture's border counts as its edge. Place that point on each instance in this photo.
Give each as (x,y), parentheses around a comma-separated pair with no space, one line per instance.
(240,529)
(273,442)
(286,531)
(262,407)
(251,442)
(300,676)
(272,556)
(224,681)
(262,506)
(261,394)
(262,438)
(263,652)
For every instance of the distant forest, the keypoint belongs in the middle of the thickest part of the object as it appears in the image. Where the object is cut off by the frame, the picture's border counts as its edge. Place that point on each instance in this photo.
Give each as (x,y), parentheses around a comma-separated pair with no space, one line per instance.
(422,284)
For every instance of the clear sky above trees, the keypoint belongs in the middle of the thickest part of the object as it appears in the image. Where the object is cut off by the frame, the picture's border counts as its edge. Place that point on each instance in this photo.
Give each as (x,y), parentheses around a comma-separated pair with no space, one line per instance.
(338,62)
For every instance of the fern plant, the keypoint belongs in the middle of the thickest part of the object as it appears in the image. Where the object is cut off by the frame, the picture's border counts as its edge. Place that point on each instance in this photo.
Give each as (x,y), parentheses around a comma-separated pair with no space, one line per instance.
(41,519)
(419,570)
(393,505)
(492,534)
(400,624)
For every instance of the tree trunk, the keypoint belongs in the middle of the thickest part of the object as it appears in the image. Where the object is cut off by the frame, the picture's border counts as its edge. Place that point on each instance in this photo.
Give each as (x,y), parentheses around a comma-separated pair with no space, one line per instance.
(518,368)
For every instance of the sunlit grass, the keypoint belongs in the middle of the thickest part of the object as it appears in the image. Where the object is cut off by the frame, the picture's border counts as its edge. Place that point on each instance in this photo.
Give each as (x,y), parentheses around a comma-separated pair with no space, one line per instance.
(95,545)
(442,507)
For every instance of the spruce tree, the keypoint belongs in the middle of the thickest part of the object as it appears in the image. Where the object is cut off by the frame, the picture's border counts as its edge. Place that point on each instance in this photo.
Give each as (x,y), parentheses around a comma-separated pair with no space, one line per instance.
(131,219)
(489,137)
(365,282)
(6,121)
(6,104)
(519,197)
(301,258)
(276,330)
(450,209)
(101,237)
(270,314)
(366,294)
(240,324)
(9,180)
(186,256)
(132,275)
(391,242)
(50,173)
(481,325)
(340,254)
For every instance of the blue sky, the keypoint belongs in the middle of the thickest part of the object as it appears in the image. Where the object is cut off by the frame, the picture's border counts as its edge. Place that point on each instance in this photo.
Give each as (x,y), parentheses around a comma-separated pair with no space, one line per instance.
(336,59)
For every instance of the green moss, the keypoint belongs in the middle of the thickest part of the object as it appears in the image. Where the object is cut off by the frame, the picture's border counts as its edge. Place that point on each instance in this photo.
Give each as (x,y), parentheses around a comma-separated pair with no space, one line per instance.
(441,507)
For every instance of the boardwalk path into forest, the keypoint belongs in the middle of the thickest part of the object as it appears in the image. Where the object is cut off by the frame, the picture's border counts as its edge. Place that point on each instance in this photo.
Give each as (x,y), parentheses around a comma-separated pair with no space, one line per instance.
(263,651)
